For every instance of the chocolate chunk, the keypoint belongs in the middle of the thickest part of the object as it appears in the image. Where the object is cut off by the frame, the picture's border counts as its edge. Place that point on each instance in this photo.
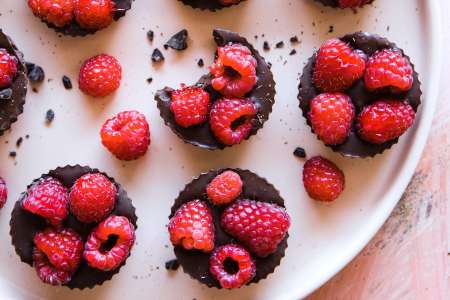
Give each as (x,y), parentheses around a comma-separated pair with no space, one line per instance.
(200,63)
(149,80)
(266,46)
(12,154)
(293,52)
(172,265)
(49,116)
(294,40)
(150,35)
(19,142)
(6,94)
(178,41)
(157,56)
(300,152)
(67,82)
(35,73)
(279,44)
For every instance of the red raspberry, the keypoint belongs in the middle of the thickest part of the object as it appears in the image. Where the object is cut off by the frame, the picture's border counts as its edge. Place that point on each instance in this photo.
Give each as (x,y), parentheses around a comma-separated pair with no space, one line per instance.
(223,116)
(63,248)
(48,273)
(127,135)
(337,66)
(389,69)
(385,120)
(234,71)
(225,188)
(322,179)
(331,117)
(260,226)
(8,68)
(56,12)
(352,3)
(94,14)
(190,105)
(192,227)
(232,276)
(49,199)
(109,244)
(92,197)
(3,192)
(100,75)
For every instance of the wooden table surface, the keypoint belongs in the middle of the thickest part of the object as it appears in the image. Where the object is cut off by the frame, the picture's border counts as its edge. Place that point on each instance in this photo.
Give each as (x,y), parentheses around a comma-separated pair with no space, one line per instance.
(409,257)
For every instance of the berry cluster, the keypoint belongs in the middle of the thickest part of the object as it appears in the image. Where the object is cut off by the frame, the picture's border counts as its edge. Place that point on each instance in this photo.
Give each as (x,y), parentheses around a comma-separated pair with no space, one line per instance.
(337,68)
(59,250)
(8,68)
(259,227)
(230,117)
(88,14)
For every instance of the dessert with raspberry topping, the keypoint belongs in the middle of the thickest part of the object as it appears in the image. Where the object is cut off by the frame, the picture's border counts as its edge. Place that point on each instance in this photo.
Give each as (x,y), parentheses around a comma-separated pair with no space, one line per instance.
(226,106)
(212,5)
(207,232)
(13,82)
(75,226)
(79,17)
(345,3)
(359,93)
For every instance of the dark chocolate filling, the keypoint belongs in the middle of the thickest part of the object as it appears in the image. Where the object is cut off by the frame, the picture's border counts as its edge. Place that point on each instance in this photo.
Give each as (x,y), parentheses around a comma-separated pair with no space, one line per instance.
(354,146)
(12,107)
(24,225)
(196,263)
(263,95)
(335,3)
(74,29)
(212,5)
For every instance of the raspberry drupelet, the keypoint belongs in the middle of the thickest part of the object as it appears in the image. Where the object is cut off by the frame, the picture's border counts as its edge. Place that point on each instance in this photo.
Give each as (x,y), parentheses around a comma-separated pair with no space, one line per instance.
(100,75)
(242,273)
(110,243)
(234,70)
(126,135)
(3,192)
(94,14)
(56,12)
(8,68)
(190,105)
(224,188)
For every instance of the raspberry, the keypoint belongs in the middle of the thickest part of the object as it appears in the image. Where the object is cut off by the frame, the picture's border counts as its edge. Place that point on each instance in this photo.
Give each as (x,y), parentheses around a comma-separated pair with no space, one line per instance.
(56,12)
(234,71)
(8,68)
(389,69)
(92,197)
(260,226)
(331,117)
(232,266)
(127,135)
(385,120)
(100,75)
(109,244)
(231,119)
(192,227)
(3,192)
(190,105)
(322,179)
(94,14)
(49,199)
(352,3)
(48,273)
(225,188)
(337,66)
(63,248)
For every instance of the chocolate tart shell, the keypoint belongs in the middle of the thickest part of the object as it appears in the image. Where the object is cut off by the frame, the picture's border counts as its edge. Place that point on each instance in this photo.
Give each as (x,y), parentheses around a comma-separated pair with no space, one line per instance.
(334,3)
(211,5)
(196,263)
(73,29)
(354,146)
(262,95)
(12,108)
(24,225)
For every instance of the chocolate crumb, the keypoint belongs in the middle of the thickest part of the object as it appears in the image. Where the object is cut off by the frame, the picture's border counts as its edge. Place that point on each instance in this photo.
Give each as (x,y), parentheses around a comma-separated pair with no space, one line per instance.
(172,265)
(19,142)
(35,90)
(294,40)
(331,29)
(27,136)
(279,44)
(150,35)
(49,116)
(34,72)
(300,152)
(149,80)
(266,46)
(6,94)
(157,56)
(293,52)
(200,63)
(178,41)
(12,154)
(67,82)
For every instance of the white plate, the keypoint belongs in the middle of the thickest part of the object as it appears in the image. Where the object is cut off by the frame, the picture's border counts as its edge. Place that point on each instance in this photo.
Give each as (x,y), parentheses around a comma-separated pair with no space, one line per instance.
(323,238)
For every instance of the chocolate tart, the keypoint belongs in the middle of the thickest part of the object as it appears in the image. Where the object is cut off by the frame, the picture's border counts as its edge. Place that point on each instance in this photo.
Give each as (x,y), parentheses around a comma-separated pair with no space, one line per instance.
(24,225)
(211,5)
(262,95)
(354,146)
(335,3)
(11,108)
(73,29)
(196,263)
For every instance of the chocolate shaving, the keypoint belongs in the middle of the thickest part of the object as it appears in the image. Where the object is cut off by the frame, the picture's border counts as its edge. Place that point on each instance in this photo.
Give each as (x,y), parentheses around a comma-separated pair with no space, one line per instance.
(157,56)
(67,82)
(35,73)
(178,41)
